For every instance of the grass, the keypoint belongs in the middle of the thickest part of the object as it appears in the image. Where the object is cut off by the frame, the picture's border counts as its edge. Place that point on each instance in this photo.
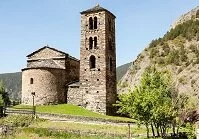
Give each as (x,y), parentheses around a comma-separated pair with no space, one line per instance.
(114,129)
(70,130)
(69,109)
(41,133)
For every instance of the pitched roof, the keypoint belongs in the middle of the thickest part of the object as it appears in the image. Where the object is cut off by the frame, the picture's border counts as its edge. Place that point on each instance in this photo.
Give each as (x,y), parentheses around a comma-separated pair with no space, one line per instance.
(47,63)
(97,8)
(45,48)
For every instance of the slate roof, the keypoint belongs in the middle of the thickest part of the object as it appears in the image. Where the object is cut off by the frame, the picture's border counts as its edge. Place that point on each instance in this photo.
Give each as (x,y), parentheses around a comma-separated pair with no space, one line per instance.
(97,8)
(47,63)
(45,48)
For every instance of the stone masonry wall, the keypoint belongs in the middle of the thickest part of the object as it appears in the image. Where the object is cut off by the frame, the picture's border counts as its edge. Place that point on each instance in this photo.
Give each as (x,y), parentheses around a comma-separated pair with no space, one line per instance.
(72,70)
(48,85)
(98,85)
(110,64)
(51,70)
(93,81)
(74,96)
(44,56)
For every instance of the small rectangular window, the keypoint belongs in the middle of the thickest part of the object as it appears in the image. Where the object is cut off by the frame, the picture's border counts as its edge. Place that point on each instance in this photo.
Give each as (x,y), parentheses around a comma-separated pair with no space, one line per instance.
(31,80)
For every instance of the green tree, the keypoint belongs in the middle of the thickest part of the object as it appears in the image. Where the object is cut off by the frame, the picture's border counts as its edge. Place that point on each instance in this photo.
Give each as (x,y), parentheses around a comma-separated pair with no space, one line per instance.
(2,91)
(4,98)
(150,102)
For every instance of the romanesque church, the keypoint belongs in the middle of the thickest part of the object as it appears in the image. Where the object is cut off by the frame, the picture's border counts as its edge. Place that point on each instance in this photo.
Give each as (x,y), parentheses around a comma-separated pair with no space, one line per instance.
(56,77)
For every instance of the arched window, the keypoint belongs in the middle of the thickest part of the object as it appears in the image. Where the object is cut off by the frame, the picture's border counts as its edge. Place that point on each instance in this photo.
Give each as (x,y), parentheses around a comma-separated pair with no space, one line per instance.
(111,64)
(90,43)
(95,42)
(95,22)
(92,62)
(31,80)
(90,23)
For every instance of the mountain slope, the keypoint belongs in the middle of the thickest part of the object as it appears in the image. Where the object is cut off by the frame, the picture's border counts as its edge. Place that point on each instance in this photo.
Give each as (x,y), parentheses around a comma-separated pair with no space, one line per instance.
(177,52)
(12,82)
(121,70)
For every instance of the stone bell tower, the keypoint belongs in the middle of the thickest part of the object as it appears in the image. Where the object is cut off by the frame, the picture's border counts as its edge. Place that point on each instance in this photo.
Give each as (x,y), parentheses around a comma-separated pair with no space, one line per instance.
(98,60)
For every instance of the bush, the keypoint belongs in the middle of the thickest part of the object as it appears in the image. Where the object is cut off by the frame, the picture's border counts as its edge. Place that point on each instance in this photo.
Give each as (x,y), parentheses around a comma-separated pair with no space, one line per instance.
(166,49)
(180,70)
(173,57)
(18,120)
(153,43)
(190,131)
(153,52)
(160,60)
(193,82)
(193,48)
(182,80)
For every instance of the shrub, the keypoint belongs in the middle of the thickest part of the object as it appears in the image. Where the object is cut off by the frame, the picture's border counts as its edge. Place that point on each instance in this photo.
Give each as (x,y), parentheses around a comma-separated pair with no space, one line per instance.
(166,49)
(160,60)
(173,57)
(153,43)
(124,84)
(193,48)
(18,120)
(182,80)
(193,82)
(153,52)
(190,131)
(180,70)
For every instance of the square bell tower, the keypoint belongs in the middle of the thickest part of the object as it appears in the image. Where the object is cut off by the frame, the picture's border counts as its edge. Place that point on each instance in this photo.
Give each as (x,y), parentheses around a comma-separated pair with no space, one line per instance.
(98,60)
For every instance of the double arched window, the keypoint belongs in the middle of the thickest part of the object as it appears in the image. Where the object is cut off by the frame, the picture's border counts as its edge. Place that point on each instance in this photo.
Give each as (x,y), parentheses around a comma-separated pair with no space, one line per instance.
(93,23)
(92,42)
(92,62)
(90,23)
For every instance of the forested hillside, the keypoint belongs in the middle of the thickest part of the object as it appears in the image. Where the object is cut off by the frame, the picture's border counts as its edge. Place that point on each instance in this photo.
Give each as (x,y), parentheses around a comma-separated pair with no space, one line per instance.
(177,52)
(121,70)
(12,82)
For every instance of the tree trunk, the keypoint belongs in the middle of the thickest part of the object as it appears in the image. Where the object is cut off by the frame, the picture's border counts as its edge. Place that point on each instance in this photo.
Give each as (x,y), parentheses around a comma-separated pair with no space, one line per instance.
(147,128)
(161,130)
(157,130)
(177,130)
(152,129)
(173,127)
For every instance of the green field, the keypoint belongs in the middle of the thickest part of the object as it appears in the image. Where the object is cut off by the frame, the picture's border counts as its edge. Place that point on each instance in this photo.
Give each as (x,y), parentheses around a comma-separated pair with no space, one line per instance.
(73,110)
(25,127)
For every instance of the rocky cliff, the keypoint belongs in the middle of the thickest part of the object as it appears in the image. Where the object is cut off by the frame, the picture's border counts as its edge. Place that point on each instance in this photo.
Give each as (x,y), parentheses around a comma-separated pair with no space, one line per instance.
(177,52)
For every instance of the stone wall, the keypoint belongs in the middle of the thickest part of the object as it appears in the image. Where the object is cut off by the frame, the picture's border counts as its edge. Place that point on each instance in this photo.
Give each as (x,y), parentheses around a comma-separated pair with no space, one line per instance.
(50,71)
(111,87)
(72,70)
(48,85)
(74,96)
(98,85)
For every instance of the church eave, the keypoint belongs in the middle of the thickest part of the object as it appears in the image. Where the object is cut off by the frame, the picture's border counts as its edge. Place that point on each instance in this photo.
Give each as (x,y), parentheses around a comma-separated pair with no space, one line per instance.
(95,10)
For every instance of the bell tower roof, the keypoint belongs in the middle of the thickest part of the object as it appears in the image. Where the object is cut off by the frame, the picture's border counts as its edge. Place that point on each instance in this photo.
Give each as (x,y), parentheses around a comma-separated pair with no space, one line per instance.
(95,9)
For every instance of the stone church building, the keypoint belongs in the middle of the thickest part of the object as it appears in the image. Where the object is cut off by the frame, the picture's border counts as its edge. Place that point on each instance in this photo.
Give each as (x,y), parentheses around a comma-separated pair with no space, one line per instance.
(56,77)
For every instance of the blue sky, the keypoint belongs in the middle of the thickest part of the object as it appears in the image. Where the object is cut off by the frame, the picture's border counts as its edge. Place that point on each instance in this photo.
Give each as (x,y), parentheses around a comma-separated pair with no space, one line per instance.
(27,25)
